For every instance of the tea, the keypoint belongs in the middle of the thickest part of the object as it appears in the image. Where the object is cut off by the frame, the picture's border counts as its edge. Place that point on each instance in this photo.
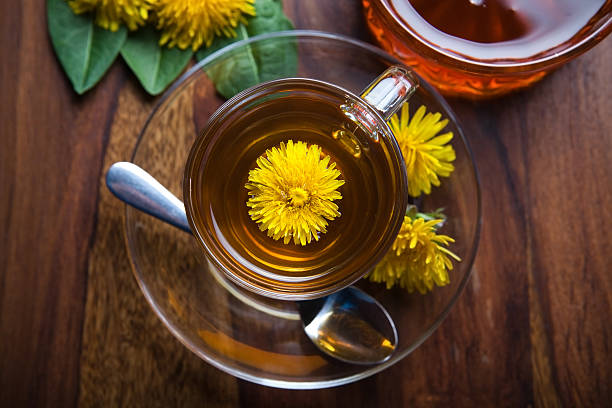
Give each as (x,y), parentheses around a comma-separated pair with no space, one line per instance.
(296,110)
(472,38)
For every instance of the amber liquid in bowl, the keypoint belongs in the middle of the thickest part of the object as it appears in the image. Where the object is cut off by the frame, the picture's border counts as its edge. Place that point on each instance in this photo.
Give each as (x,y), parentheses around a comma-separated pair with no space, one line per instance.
(216,197)
(483,47)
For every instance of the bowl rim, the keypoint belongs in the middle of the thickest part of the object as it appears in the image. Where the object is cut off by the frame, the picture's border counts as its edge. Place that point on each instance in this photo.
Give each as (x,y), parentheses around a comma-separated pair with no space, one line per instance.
(546,59)
(371,370)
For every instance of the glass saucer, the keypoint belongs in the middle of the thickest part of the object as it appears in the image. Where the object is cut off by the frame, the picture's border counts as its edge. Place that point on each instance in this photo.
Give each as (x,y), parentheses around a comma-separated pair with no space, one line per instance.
(251,337)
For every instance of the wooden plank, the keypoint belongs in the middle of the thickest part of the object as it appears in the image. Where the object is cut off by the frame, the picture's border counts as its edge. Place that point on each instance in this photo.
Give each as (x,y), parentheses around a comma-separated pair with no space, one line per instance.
(52,146)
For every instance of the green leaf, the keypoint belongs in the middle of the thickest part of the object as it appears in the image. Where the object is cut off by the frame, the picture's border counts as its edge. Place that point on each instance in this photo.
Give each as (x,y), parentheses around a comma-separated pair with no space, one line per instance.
(265,61)
(236,73)
(269,17)
(275,58)
(155,66)
(85,50)
(222,42)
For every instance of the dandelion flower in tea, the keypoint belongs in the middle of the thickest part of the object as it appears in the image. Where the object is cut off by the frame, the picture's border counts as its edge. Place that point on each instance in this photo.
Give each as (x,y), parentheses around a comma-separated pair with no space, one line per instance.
(292,192)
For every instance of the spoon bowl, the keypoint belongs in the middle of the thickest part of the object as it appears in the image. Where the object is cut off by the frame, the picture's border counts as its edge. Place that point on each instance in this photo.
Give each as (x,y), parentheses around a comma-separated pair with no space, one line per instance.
(350,326)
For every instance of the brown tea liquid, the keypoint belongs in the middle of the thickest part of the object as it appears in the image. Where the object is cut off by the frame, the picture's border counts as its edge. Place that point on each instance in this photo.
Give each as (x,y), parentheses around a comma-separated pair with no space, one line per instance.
(369,194)
(479,31)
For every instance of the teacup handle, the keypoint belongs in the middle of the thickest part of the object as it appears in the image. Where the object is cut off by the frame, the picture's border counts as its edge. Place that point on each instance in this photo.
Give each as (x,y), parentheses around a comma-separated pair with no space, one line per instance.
(390,90)
(385,95)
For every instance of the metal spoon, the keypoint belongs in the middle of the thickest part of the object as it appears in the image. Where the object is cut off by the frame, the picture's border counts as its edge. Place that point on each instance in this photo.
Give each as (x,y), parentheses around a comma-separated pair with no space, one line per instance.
(348,325)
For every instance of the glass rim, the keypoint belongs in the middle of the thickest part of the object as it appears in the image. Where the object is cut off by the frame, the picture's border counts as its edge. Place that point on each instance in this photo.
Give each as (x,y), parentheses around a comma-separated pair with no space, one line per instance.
(304,384)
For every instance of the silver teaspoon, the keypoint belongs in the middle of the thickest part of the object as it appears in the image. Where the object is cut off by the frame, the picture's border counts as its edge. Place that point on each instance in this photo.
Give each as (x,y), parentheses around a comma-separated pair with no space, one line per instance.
(348,325)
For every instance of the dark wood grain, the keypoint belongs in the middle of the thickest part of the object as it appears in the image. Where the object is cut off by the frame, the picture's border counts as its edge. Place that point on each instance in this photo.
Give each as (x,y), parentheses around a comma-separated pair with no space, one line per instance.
(50,158)
(531,329)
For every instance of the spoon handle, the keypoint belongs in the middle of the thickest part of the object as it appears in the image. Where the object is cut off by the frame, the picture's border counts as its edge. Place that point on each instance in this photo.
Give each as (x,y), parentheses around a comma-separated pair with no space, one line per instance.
(134,186)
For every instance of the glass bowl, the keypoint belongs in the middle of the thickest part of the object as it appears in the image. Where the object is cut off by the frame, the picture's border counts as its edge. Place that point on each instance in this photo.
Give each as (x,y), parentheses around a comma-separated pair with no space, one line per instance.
(251,337)
(482,69)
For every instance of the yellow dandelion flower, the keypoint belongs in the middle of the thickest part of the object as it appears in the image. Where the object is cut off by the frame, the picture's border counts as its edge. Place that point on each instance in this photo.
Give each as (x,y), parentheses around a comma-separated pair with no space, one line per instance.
(428,155)
(292,190)
(111,13)
(192,23)
(418,258)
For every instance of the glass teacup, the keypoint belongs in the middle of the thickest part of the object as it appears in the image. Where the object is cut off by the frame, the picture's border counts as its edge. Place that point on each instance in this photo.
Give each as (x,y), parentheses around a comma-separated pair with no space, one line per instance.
(353,138)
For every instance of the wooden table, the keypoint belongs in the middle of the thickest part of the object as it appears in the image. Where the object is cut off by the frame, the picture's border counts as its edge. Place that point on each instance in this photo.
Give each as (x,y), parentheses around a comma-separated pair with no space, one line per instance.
(532,327)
